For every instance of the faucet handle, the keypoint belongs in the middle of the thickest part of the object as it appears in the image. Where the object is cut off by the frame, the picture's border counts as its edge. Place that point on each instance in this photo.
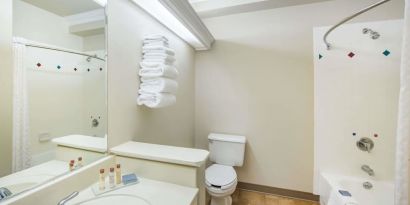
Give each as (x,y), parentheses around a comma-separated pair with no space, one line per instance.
(68,198)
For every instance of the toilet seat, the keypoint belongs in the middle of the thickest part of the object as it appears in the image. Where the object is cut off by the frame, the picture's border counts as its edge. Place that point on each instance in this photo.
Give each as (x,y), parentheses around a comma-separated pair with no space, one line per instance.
(220,177)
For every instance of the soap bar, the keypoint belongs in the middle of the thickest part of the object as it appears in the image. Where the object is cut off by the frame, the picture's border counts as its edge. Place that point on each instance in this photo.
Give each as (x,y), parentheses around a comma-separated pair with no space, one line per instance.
(345,193)
(129,178)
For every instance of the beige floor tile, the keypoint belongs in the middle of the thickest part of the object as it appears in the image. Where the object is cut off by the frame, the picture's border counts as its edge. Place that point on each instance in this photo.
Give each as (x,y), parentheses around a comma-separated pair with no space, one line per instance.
(249,198)
(243,197)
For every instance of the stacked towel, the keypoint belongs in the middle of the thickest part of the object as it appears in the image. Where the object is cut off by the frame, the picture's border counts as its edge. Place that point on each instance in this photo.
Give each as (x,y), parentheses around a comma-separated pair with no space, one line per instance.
(158,73)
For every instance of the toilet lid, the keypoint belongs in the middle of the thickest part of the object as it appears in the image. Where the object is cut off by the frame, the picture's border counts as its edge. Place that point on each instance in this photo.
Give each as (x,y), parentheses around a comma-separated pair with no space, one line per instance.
(220,175)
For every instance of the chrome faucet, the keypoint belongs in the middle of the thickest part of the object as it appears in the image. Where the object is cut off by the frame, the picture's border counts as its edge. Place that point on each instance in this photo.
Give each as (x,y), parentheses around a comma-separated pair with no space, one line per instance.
(68,198)
(368,170)
(4,193)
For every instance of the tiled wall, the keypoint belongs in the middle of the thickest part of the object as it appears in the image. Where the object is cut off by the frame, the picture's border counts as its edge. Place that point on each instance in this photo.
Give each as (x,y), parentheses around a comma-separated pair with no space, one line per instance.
(356,95)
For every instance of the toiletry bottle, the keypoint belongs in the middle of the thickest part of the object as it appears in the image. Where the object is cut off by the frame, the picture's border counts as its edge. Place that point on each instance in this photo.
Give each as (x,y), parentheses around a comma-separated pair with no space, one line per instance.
(71,165)
(118,174)
(111,178)
(101,180)
(80,162)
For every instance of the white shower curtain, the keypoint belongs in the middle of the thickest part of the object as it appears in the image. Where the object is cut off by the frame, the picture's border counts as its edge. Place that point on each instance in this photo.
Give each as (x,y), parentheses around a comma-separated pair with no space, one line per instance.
(21,152)
(403,127)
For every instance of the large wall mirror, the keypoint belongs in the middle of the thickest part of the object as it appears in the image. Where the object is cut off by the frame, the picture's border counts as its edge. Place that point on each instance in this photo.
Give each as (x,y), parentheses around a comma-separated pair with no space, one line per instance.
(60,109)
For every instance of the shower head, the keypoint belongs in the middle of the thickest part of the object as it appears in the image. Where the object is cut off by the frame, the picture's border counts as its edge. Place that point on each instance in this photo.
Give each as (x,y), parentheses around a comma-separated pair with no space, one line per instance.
(373,34)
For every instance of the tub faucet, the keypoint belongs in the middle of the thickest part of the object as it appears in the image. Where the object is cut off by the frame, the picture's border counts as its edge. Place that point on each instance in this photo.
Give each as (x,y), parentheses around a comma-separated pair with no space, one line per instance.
(368,170)
(68,198)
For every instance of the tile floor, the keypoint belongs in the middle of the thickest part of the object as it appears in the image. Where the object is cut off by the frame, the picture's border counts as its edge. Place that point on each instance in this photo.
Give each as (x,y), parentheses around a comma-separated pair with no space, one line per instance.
(244,197)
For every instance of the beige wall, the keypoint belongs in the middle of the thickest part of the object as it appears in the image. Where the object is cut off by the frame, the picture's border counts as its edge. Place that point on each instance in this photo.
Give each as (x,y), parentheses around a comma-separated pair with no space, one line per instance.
(6,84)
(257,81)
(127,24)
(43,26)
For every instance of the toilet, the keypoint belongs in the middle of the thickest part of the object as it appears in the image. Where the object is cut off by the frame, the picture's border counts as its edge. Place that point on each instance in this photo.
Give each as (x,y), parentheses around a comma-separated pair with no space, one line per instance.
(226,151)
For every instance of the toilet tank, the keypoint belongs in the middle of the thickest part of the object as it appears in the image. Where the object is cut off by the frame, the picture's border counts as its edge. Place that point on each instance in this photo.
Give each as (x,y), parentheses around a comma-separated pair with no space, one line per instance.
(227,149)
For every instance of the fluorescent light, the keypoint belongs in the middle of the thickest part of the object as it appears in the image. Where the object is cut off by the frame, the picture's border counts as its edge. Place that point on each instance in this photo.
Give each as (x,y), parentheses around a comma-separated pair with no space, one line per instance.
(189,29)
(101,2)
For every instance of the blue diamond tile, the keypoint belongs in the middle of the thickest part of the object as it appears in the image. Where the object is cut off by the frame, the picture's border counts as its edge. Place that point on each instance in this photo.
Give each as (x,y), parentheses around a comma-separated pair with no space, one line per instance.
(386,52)
(320,56)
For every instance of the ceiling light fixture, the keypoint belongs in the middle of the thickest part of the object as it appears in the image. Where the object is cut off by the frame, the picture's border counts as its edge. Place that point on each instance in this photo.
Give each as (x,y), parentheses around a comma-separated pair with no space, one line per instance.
(180,18)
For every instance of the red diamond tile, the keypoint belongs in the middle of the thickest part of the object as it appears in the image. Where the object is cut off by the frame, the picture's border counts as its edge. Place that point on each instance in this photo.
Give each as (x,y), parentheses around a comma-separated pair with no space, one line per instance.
(351,54)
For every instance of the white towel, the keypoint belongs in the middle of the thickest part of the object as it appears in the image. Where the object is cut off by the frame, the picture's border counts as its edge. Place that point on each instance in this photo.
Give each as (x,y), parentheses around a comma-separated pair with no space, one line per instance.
(145,64)
(150,54)
(156,43)
(157,48)
(158,85)
(160,71)
(155,37)
(156,100)
(156,58)
(153,52)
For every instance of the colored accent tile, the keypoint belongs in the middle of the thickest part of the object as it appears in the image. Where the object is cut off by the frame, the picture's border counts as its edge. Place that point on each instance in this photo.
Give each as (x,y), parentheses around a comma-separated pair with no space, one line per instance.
(320,56)
(100,69)
(88,70)
(354,133)
(75,69)
(351,54)
(386,52)
(58,67)
(38,64)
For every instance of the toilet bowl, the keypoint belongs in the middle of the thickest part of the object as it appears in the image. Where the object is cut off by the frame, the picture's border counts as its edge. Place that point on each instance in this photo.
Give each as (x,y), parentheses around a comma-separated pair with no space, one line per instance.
(226,151)
(220,183)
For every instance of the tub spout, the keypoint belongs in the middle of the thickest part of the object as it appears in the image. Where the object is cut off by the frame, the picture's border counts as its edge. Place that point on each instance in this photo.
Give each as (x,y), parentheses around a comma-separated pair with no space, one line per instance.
(368,170)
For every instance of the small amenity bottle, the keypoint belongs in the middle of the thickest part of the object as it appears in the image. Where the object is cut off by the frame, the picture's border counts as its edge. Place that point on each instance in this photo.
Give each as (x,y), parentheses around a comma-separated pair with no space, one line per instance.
(71,165)
(80,162)
(111,178)
(118,174)
(101,182)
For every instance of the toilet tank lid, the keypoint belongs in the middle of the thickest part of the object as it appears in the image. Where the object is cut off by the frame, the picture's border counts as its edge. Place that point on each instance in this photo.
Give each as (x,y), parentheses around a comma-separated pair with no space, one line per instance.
(227,138)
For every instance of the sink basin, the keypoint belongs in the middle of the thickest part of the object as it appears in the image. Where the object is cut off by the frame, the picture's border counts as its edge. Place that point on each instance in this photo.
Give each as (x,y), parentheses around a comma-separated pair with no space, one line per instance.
(123,199)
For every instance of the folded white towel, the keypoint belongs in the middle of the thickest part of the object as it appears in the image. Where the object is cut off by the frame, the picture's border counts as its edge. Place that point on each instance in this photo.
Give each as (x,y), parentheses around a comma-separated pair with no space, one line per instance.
(156,100)
(144,64)
(162,71)
(167,52)
(157,55)
(155,37)
(156,48)
(160,43)
(158,58)
(158,85)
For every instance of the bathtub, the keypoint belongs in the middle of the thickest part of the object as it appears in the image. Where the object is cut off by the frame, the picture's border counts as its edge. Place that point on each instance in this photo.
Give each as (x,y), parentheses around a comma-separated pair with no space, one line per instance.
(382,192)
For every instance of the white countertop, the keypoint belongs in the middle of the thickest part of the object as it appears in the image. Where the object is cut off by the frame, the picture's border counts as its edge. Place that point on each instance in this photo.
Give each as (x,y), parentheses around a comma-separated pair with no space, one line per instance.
(162,153)
(96,144)
(152,191)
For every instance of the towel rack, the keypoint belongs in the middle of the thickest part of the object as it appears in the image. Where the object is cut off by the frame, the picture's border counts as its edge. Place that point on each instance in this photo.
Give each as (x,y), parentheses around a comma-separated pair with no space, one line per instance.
(328,45)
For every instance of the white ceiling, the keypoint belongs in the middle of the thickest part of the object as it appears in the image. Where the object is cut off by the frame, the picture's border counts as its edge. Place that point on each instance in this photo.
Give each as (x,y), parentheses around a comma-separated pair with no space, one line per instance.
(213,8)
(65,7)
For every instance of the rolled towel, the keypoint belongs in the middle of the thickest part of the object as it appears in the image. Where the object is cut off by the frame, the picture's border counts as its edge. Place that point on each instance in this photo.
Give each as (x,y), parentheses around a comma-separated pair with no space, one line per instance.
(157,55)
(161,71)
(144,64)
(158,58)
(158,85)
(168,52)
(156,100)
(155,37)
(156,43)
(156,48)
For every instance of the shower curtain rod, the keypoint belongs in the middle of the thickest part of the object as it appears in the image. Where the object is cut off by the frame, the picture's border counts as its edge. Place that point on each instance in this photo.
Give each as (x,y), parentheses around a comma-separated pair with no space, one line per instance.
(64,50)
(328,46)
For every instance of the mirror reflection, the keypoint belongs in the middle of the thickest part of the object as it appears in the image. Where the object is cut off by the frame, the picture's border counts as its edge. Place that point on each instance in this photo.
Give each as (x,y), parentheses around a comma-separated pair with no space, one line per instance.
(59,103)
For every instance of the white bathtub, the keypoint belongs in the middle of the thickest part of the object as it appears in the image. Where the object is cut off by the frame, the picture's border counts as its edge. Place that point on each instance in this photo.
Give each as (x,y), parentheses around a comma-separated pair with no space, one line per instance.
(382,192)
